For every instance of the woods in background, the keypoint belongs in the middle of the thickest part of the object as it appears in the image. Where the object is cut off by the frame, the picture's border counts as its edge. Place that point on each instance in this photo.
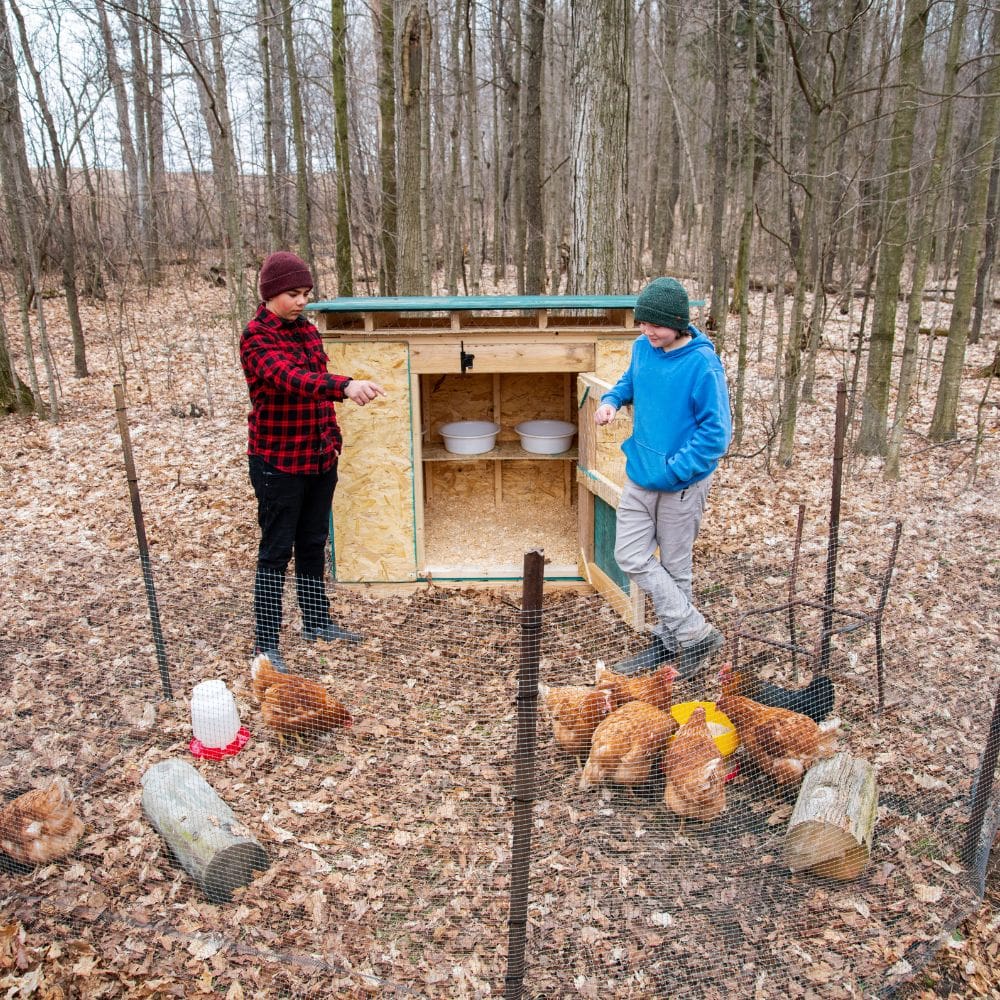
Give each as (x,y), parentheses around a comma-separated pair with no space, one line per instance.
(818,152)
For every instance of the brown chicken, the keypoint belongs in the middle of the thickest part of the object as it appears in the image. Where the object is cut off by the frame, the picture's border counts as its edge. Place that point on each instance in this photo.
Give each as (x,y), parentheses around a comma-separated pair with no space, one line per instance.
(654,689)
(41,825)
(814,700)
(782,743)
(627,744)
(575,712)
(292,705)
(696,774)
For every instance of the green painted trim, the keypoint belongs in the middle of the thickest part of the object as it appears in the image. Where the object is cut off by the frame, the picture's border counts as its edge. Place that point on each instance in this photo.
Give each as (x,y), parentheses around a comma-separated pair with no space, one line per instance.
(457,303)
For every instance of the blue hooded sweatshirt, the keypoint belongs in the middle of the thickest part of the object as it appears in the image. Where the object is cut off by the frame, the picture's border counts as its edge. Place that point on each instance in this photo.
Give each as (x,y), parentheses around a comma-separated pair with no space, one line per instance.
(681,424)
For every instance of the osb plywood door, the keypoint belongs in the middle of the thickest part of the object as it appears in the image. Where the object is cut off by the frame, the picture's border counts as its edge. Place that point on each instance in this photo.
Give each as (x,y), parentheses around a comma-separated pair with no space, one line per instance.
(374,533)
(613,358)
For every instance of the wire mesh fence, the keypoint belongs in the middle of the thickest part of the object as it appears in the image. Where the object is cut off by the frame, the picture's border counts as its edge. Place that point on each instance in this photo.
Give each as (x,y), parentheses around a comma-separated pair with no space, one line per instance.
(351,830)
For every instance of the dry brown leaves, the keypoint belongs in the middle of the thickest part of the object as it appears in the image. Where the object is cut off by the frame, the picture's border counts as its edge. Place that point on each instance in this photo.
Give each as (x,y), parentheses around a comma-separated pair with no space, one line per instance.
(390,843)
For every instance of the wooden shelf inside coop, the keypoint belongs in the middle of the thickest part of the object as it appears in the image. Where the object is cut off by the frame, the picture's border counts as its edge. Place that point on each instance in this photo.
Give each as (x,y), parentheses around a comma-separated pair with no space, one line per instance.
(502,452)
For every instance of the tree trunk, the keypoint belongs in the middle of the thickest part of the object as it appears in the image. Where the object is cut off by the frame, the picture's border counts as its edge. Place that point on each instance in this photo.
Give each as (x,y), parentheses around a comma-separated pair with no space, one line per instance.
(303,217)
(602,243)
(67,230)
(117,81)
(944,423)
(338,62)
(411,77)
(275,221)
(924,239)
(534,258)
(15,396)
(985,271)
(718,307)
(473,150)
(741,279)
(20,199)
(875,402)
(213,97)
(158,217)
(385,32)
(140,102)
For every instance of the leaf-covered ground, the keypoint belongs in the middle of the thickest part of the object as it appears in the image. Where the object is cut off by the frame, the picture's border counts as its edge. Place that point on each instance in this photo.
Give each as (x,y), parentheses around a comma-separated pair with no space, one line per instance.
(390,842)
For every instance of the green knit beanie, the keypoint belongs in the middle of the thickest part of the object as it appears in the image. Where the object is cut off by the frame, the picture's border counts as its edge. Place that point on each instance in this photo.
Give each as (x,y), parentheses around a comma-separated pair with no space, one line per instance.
(663,302)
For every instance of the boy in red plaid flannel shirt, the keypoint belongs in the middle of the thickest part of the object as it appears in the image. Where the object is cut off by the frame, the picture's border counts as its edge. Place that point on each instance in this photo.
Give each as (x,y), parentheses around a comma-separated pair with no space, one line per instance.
(294,445)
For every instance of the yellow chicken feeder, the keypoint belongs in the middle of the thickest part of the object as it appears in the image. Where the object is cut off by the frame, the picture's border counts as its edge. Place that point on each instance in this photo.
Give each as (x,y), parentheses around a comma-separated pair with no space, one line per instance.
(722,730)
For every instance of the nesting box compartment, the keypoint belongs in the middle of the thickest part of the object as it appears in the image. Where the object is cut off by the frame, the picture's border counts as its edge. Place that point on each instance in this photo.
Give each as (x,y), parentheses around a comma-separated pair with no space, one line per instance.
(409,507)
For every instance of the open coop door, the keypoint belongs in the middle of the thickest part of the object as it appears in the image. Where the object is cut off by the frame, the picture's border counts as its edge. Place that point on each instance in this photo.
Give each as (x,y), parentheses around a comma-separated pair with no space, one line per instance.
(600,475)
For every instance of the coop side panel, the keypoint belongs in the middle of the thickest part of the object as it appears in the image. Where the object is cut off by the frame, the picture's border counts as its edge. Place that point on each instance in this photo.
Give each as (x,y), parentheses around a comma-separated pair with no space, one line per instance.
(374,530)
(613,357)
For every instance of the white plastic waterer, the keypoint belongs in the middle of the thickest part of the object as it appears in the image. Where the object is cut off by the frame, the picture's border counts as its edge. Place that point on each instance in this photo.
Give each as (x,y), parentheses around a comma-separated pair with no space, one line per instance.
(214,716)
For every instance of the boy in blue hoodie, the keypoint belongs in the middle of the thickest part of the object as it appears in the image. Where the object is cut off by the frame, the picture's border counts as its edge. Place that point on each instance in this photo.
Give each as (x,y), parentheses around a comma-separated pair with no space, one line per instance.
(681,427)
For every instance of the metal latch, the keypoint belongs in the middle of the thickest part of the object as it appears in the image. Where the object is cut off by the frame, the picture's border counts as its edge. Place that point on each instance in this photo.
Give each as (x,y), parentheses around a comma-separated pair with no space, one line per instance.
(464,360)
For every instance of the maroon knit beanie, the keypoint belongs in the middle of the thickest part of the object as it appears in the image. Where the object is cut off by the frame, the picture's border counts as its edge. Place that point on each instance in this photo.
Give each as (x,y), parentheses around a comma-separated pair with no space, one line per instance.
(282,271)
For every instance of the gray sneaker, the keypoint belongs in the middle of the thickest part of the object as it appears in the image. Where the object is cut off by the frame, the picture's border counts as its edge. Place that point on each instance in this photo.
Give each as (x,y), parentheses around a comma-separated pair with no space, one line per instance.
(330,632)
(649,658)
(694,655)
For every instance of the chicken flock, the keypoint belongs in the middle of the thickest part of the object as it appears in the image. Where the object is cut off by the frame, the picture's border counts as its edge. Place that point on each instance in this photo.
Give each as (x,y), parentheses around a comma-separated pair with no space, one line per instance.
(625,727)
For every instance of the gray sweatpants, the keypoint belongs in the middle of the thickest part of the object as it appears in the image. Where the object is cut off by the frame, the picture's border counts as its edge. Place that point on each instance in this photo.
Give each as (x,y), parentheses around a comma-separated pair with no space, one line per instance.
(648,520)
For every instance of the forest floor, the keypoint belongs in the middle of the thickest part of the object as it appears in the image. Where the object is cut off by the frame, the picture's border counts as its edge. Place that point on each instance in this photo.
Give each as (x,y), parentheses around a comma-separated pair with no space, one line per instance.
(390,842)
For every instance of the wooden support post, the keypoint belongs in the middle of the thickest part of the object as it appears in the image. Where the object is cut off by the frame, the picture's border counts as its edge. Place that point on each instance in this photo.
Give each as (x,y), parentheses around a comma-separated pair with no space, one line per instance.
(831,827)
(497,466)
(211,844)
(524,769)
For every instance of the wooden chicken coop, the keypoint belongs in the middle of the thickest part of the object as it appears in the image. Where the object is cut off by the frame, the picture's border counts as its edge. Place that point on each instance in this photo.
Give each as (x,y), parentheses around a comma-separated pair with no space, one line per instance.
(409,510)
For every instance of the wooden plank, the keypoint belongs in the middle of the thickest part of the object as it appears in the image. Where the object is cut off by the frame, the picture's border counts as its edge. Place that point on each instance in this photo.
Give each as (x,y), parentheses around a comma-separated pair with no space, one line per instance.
(443,359)
(621,604)
(600,486)
(502,452)
(497,468)
(418,409)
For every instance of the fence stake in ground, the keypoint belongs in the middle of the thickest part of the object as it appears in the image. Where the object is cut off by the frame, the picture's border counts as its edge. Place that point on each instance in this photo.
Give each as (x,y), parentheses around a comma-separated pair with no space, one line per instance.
(839,433)
(981,830)
(524,769)
(140,533)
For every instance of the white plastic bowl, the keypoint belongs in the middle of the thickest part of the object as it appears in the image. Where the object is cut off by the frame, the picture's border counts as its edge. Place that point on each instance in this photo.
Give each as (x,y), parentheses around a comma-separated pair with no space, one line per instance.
(469,437)
(546,437)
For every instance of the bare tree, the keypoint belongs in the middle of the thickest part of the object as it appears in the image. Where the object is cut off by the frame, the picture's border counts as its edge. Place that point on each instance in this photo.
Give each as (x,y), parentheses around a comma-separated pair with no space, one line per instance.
(68,228)
(303,215)
(601,246)
(944,423)
(875,403)
(338,70)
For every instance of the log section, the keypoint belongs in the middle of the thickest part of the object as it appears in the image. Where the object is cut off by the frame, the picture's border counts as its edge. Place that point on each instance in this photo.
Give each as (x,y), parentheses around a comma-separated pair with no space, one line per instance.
(211,844)
(831,827)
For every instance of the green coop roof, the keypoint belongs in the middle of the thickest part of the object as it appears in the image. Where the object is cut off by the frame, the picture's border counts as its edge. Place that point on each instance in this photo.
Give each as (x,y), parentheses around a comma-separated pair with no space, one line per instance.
(457,303)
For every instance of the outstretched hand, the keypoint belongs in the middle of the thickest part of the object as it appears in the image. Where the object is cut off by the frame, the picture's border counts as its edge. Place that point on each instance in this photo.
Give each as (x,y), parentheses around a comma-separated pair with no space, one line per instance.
(361,391)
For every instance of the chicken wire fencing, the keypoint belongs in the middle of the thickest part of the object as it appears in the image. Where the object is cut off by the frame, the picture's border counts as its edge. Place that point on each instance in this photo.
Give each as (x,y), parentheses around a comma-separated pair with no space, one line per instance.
(346,828)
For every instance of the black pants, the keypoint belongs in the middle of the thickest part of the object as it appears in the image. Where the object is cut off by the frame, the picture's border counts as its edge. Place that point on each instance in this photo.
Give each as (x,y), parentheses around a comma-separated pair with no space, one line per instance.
(293,512)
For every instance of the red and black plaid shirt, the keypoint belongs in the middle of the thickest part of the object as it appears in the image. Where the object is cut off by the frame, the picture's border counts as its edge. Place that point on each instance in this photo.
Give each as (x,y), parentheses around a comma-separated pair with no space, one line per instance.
(292,421)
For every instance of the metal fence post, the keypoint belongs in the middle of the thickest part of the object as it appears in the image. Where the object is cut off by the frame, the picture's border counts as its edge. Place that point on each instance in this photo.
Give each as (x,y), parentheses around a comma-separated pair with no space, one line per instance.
(524,770)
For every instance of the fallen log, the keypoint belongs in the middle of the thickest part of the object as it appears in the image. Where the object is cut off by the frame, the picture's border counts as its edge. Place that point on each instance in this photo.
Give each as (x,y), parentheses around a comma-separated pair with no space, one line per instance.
(211,844)
(831,827)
